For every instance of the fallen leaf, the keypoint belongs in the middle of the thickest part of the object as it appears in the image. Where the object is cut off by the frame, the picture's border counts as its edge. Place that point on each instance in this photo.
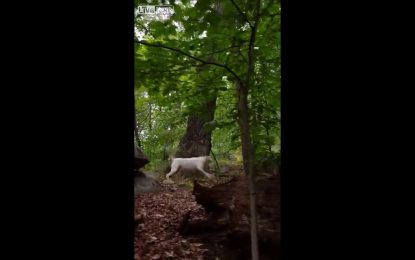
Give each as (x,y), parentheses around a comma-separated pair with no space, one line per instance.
(152,239)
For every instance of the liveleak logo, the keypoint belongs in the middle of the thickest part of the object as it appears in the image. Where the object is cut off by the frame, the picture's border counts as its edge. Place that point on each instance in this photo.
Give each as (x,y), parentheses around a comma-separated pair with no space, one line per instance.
(154,10)
(146,9)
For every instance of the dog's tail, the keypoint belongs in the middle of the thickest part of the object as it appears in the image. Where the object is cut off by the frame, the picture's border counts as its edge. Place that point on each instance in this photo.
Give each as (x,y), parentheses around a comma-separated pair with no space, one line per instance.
(171,158)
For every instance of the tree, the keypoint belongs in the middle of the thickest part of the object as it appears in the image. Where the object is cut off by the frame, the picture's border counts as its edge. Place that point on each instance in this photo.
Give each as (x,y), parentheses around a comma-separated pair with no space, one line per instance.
(197,141)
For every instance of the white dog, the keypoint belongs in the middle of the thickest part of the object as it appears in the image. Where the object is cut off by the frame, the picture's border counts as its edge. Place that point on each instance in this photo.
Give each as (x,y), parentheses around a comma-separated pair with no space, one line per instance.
(190,165)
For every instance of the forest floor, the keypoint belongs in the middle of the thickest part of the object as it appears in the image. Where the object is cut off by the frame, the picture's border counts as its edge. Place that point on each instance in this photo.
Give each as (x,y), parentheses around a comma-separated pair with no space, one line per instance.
(159,217)
(168,222)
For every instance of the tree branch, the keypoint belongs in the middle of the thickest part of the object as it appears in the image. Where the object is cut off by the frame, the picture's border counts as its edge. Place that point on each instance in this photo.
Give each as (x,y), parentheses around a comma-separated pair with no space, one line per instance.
(241,13)
(192,57)
(251,58)
(222,50)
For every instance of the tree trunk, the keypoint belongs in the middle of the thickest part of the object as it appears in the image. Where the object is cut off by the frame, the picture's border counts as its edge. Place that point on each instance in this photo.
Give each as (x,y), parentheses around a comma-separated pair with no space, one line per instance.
(197,140)
(248,161)
(149,114)
(136,135)
(248,152)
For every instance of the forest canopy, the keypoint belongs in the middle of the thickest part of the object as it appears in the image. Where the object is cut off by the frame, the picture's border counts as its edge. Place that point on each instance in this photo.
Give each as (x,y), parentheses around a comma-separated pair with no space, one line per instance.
(197,55)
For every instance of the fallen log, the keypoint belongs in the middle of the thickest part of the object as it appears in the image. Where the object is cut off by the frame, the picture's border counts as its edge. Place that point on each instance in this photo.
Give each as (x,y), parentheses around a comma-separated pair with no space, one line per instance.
(228,205)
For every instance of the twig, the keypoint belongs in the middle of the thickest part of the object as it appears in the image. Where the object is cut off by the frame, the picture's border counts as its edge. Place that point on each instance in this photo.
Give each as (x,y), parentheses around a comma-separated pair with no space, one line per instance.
(242,13)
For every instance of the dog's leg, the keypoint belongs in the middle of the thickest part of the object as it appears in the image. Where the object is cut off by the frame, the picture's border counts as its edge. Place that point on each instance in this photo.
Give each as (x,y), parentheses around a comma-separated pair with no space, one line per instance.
(172,171)
(208,175)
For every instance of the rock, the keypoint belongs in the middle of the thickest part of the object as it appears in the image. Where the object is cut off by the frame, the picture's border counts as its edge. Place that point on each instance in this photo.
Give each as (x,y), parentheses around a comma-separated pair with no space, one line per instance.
(140,159)
(145,184)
